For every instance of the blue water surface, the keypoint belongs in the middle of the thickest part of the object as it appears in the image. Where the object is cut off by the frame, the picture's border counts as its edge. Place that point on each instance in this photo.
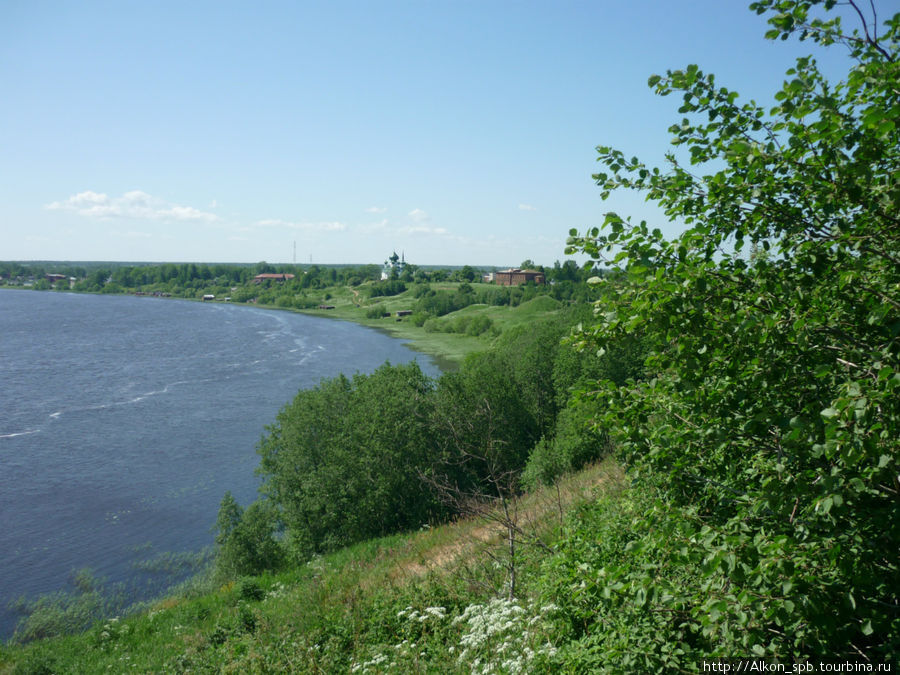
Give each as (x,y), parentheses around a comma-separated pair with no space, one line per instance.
(123,420)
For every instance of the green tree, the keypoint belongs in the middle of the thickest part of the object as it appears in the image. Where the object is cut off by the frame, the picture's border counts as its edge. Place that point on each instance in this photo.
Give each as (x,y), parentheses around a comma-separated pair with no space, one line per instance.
(574,443)
(246,540)
(482,424)
(772,417)
(530,352)
(342,461)
(467,273)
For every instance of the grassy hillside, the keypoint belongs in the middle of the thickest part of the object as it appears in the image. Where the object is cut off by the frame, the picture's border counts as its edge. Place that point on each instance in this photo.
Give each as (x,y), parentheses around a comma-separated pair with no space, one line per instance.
(421,602)
(351,304)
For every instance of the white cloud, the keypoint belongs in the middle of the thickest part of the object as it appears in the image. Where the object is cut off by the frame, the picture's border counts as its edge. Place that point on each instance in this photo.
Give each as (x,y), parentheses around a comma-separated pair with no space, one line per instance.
(182,213)
(418,215)
(333,226)
(135,205)
(527,207)
(376,209)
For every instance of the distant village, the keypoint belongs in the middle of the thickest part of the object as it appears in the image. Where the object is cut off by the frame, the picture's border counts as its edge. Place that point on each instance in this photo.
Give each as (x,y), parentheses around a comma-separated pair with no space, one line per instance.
(75,276)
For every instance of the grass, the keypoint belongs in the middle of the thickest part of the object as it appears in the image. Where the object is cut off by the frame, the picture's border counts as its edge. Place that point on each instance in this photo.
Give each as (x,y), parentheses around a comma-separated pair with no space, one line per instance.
(449,349)
(422,601)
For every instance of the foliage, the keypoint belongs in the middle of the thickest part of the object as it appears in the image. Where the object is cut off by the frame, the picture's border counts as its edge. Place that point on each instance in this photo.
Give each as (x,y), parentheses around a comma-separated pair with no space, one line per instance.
(380,453)
(468,324)
(376,312)
(482,429)
(341,460)
(439,303)
(574,443)
(246,539)
(386,288)
(531,351)
(772,413)
(617,618)
(65,612)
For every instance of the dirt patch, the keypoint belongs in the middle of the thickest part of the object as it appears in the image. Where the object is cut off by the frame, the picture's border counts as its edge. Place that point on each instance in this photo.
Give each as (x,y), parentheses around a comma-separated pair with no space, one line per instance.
(443,557)
(535,513)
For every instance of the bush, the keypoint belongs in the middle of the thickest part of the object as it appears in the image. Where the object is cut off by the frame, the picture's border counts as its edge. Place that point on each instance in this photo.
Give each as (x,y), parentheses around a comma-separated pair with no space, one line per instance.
(248,589)
(419,319)
(342,461)
(479,325)
(575,443)
(771,415)
(246,539)
(386,288)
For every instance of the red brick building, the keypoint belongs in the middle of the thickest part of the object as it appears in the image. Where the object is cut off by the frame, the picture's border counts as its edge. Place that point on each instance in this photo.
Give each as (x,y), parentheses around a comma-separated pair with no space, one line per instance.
(517,277)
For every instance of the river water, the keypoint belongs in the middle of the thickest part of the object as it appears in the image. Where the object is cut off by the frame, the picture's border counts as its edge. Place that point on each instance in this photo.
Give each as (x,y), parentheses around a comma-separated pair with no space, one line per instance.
(123,421)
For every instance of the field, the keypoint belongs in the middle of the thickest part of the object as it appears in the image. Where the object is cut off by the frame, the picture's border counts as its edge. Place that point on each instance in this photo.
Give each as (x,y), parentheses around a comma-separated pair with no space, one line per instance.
(448,349)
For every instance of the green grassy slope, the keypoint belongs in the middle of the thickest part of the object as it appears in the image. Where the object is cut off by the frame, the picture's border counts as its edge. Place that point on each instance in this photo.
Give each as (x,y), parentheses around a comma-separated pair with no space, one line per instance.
(407,603)
(449,348)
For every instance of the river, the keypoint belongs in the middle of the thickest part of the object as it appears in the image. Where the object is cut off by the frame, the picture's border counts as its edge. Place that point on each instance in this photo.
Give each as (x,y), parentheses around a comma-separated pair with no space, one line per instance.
(125,419)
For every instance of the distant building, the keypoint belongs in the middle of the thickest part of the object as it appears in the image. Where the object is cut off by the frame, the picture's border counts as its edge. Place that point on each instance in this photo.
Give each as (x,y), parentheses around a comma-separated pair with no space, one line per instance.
(395,262)
(259,278)
(517,277)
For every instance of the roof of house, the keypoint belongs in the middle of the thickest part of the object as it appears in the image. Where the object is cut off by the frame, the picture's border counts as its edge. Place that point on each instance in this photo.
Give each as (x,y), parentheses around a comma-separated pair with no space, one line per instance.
(516,270)
(269,275)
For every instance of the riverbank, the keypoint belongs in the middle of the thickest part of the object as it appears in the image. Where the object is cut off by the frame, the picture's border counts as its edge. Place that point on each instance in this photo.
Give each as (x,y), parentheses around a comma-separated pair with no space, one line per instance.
(441,337)
(438,338)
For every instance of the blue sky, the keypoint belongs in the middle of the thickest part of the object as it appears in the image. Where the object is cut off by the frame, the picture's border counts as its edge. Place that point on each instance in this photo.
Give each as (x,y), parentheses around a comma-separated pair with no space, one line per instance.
(459,132)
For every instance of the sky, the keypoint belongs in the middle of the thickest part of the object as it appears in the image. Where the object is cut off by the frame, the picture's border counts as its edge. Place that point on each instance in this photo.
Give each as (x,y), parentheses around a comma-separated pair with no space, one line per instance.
(454,131)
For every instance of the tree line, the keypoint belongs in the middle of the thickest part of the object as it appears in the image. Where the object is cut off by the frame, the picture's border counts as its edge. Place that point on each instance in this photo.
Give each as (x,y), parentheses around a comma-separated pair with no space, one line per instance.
(194,280)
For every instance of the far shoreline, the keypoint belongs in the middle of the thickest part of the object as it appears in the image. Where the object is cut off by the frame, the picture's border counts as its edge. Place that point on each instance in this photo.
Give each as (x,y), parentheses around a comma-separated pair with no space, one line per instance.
(443,361)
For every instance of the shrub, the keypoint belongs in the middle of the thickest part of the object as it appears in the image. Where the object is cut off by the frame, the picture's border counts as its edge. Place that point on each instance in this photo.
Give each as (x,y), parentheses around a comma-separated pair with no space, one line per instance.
(574,444)
(342,461)
(386,288)
(246,539)
(771,415)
